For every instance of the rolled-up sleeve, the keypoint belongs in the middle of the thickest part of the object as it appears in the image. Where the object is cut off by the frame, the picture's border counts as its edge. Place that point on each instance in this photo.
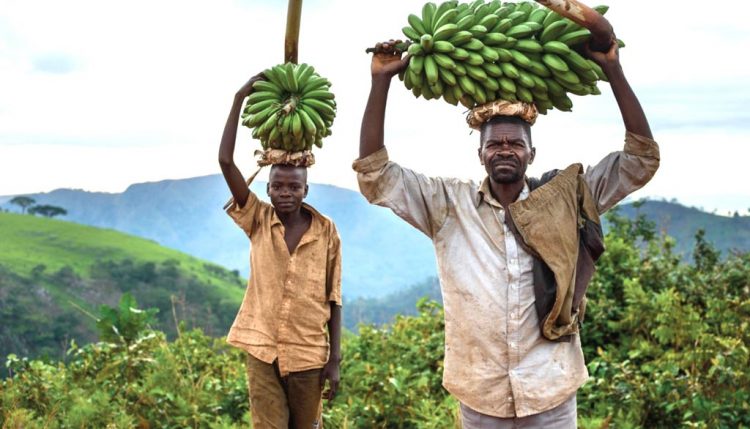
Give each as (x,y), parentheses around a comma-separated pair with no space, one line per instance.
(422,201)
(622,173)
(247,216)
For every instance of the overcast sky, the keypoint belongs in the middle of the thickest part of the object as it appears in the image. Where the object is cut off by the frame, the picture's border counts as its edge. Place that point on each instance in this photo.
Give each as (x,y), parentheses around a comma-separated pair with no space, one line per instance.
(98,95)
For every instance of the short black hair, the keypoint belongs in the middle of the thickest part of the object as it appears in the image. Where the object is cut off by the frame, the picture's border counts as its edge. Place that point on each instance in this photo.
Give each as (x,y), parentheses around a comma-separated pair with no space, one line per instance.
(502,119)
(287,167)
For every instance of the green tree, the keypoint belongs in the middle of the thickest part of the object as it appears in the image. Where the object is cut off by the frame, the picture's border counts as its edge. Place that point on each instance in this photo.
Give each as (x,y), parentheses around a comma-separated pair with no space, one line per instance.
(48,211)
(23,201)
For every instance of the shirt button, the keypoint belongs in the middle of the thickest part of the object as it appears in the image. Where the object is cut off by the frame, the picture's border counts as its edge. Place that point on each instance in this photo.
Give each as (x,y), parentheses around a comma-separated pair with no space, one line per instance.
(512,344)
(510,399)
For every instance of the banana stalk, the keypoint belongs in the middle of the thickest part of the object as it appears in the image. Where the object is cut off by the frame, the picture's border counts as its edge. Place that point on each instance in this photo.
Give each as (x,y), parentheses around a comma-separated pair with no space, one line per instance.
(602,33)
(291,41)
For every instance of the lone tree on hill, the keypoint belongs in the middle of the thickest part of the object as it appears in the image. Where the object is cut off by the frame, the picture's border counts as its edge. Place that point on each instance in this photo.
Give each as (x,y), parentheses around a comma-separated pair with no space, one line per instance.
(48,211)
(23,201)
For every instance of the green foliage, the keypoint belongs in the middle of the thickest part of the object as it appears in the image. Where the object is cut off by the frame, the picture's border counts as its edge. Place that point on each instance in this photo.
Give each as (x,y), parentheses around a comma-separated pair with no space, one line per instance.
(195,381)
(23,201)
(124,323)
(47,210)
(54,273)
(667,345)
(392,376)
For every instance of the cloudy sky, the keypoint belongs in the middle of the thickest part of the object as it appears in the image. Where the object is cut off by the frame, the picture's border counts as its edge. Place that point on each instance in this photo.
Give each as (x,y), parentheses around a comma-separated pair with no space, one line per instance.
(97,95)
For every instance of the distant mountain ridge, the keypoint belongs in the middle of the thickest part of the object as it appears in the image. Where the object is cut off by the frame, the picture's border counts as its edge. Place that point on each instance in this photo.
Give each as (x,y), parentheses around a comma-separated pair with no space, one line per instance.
(382,253)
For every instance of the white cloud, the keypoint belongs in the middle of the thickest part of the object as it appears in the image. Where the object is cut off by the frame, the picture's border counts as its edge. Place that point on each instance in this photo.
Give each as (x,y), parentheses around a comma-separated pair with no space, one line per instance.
(152,82)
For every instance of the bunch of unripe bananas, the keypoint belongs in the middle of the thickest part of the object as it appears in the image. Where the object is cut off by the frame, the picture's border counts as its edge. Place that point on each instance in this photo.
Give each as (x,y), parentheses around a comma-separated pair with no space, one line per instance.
(292,109)
(473,53)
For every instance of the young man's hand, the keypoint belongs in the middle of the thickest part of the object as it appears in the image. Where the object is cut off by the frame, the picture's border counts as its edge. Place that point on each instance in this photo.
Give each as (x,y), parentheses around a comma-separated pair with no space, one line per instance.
(331,373)
(247,88)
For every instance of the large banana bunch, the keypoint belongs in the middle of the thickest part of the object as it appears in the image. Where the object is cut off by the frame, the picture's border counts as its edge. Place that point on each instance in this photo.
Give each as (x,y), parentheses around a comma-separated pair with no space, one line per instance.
(472,53)
(292,110)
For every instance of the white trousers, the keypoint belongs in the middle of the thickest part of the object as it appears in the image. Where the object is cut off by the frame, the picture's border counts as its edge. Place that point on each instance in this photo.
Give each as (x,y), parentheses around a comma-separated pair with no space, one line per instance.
(564,416)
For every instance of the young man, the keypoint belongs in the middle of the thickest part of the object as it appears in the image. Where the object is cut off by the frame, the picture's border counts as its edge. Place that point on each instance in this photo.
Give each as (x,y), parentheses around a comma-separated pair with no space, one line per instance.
(294,291)
(514,254)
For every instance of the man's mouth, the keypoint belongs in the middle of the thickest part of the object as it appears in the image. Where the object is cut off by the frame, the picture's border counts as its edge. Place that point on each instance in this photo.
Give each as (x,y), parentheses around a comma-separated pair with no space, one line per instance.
(505,164)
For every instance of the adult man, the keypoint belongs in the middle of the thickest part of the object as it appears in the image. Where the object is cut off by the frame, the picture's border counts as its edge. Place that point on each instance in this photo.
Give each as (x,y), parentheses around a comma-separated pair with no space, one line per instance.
(294,290)
(514,254)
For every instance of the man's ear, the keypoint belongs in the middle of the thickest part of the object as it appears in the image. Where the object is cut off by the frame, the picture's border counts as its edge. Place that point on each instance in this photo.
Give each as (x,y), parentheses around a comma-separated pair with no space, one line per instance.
(268,189)
(533,155)
(306,189)
(479,154)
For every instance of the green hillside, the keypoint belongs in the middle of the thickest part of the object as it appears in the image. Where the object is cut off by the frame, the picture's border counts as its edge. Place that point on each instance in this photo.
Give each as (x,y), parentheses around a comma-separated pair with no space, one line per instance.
(54,272)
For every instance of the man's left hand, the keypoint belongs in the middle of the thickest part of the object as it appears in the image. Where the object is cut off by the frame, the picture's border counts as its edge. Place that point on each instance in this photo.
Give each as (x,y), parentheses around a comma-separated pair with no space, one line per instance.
(331,373)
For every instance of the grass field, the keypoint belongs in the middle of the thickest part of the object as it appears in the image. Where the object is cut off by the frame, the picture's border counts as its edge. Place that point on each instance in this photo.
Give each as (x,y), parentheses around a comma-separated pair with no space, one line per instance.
(27,241)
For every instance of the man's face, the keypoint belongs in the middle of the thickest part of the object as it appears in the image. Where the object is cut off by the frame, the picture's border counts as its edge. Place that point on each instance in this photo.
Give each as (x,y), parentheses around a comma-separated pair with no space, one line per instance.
(287,187)
(506,151)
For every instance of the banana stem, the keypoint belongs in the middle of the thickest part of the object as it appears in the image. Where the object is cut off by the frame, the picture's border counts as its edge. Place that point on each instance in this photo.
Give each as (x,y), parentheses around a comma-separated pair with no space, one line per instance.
(291,42)
(602,33)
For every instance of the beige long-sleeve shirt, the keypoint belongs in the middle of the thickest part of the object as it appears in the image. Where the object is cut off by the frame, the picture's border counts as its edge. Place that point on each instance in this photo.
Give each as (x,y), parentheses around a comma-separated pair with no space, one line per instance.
(287,302)
(496,361)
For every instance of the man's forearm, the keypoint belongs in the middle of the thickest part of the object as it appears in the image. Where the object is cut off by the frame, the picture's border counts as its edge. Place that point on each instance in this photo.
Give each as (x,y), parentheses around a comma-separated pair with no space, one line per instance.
(371,134)
(334,332)
(630,108)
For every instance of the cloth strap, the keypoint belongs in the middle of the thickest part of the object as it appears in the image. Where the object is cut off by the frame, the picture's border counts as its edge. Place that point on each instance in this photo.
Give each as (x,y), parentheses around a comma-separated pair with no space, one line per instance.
(481,114)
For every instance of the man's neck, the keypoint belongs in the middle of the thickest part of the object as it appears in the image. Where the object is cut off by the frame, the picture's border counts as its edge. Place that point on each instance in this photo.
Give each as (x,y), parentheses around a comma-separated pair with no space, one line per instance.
(506,193)
(296,217)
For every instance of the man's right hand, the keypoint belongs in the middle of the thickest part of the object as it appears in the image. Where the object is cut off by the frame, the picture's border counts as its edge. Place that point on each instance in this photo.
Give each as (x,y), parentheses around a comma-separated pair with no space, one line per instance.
(387,61)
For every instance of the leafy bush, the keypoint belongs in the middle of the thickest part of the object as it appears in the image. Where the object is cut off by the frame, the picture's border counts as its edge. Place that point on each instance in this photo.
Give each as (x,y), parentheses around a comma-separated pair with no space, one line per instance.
(667,345)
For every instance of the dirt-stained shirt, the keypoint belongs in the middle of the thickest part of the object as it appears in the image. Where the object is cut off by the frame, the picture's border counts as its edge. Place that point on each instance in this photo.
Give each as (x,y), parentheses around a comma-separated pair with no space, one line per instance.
(287,302)
(496,360)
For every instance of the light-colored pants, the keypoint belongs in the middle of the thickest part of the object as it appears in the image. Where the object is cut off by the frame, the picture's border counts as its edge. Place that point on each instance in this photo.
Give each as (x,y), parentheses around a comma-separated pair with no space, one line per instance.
(563,416)
(291,402)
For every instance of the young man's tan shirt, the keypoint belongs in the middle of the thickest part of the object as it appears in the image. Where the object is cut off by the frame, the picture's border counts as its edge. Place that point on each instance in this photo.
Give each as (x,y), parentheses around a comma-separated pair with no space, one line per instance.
(287,302)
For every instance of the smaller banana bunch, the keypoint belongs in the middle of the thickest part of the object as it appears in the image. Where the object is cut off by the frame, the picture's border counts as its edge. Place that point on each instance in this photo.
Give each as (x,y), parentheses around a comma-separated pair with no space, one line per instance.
(292,110)
(473,53)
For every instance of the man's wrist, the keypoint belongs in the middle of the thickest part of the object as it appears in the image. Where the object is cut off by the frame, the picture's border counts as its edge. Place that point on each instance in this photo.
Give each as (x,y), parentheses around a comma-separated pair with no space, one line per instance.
(613,69)
(334,357)
(381,80)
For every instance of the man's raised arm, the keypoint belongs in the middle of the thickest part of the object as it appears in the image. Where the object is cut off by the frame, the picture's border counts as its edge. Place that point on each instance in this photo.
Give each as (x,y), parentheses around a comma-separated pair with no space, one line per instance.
(386,63)
(630,108)
(621,173)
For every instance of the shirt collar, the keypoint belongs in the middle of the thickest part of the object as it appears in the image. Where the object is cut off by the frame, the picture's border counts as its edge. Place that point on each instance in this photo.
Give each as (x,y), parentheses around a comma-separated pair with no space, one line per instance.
(484,194)
(312,233)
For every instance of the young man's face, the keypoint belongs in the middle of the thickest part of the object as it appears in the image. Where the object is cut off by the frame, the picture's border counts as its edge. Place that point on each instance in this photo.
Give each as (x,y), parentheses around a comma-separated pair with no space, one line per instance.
(287,187)
(505,151)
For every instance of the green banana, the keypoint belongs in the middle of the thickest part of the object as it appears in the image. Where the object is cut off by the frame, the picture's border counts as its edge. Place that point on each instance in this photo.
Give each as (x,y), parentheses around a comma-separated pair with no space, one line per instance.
(445,32)
(443,46)
(417,24)
(555,63)
(430,69)
(552,31)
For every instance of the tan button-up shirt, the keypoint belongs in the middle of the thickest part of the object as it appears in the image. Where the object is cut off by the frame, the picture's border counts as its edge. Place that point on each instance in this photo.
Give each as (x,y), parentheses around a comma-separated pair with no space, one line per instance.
(496,361)
(287,302)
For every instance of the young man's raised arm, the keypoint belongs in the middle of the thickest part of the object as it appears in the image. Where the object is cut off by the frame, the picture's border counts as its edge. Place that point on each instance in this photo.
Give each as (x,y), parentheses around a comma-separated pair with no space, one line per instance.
(232,174)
